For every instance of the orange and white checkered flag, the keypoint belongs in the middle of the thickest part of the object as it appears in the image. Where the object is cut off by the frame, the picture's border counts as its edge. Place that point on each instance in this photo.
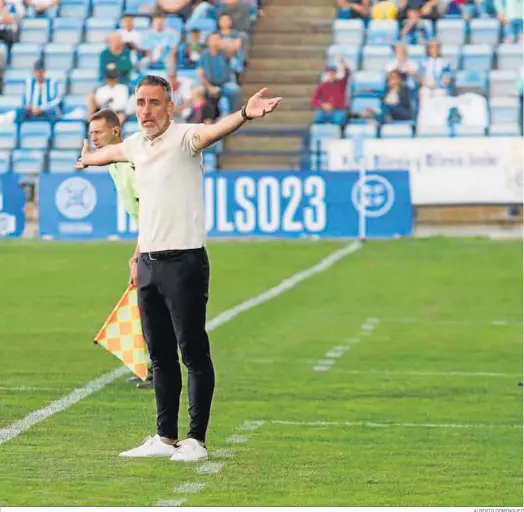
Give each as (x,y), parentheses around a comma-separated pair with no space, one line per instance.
(122,334)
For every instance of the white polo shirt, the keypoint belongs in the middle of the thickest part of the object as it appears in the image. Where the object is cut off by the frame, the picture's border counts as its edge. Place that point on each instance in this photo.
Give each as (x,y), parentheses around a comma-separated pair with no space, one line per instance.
(169,176)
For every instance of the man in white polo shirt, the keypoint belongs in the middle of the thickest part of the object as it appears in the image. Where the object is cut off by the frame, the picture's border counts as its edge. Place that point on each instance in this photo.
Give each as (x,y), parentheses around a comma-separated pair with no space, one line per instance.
(173,267)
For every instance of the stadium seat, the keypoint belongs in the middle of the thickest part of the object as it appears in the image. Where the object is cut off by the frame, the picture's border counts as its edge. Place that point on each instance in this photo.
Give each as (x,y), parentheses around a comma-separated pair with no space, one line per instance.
(509,56)
(130,128)
(62,160)
(359,106)
(60,76)
(14,82)
(109,9)
(138,6)
(69,135)
(417,53)
(504,110)
(451,31)
(318,161)
(5,162)
(396,130)
(366,131)
(83,81)
(28,161)
(477,56)
(210,161)
(484,31)
(451,53)
(348,32)
(97,29)
(504,130)
(177,24)
(502,83)
(24,55)
(88,55)
(382,32)
(143,23)
(8,136)
(35,30)
(432,131)
(67,30)
(73,101)
(320,133)
(9,103)
(375,58)
(74,9)
(59,56)
(469,131)
(368,84)
(35,135)
(471,81)
(351,55)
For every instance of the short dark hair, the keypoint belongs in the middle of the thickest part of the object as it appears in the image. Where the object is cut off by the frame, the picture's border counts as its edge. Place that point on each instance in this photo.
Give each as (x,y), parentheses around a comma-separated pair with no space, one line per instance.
(155,80)
(108,115)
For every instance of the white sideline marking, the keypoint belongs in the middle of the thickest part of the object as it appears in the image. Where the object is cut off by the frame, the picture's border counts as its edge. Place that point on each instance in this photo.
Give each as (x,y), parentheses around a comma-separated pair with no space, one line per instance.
(210,468)
(19,427)
(321,368)
(444,374)
(237,439)
(386,425)
(227,454)
(497,323)
(190,487)
(251,425)
(27,388)
(171,503)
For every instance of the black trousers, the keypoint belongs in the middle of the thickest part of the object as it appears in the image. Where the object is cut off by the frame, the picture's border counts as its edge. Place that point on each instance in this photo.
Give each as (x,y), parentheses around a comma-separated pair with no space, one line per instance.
(173,290)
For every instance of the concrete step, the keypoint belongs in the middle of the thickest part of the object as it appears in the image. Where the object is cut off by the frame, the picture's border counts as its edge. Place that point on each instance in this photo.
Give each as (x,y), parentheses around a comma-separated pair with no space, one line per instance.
(253,76)
(287,91)
(290,103)
(266,127)
(231,162)
(464,215)
(290,12)
(296,25)
(288,38)
(289,52)
(284,65)
(263,143)
(287,117)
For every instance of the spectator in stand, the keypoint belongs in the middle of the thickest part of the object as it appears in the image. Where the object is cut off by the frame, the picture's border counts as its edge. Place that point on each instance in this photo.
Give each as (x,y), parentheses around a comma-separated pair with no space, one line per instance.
(181,96)
(202,9)
(192,49)
(384,10)
(112,95)
(353,9)
(470,9)
(510,12)
(8,23)
(201,111)
(330,96)
(414,30)
(160,44)
(42,96)
(435,74)
(396,102)
(407,68)
(215,73)
(116,57)
(231,42)
(426,9)
(239,11)
(130,35)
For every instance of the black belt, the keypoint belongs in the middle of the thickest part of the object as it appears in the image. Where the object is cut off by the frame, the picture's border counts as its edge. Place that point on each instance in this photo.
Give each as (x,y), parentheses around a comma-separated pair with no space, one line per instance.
(165,255)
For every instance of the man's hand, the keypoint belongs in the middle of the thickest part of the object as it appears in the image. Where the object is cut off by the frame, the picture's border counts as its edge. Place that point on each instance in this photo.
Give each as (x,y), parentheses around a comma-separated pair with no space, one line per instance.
(327,107)
(133,268)
(257,106)
(36,111)
(85,150)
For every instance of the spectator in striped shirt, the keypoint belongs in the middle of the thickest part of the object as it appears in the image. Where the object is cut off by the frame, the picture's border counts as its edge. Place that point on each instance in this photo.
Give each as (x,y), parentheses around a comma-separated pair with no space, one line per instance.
(42,96)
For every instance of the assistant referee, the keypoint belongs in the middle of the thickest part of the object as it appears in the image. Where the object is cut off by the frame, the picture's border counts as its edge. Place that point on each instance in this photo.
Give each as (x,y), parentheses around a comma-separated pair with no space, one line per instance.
(173,266)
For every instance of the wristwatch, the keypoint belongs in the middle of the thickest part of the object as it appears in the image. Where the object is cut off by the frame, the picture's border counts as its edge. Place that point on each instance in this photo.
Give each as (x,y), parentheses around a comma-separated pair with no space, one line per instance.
(244,114)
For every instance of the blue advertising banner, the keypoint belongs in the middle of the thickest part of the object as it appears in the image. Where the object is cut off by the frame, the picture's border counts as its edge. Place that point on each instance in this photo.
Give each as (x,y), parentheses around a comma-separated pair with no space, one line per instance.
(12,206)
(243,204)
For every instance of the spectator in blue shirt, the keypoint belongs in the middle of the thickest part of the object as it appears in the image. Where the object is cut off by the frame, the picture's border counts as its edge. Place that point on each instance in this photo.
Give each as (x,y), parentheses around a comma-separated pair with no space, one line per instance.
(232,42)
(435,73)
(42,96)
(160,45)
(353,9)
(414,30)
(215,72)
(509,12)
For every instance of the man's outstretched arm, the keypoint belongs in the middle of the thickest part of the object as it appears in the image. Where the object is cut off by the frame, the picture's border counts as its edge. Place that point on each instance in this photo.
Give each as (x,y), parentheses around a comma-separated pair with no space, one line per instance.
(104,156)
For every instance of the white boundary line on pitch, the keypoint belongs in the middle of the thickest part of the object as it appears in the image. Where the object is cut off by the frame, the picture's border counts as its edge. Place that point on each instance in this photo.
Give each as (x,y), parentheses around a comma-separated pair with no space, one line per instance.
(429,374)
(18,427)
(387,425)
(330,357)
(496,323)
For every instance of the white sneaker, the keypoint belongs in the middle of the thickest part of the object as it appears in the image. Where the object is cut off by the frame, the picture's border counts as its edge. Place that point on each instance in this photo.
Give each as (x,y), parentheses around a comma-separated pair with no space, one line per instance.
(151,447)
(189,450)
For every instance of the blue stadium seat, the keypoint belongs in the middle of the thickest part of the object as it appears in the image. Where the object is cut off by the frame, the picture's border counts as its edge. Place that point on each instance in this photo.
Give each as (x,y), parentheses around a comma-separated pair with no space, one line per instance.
(320,133)
(366,131)
(189,74)
(471,81)
(504,110)
(177,24)
(130,128)
(5,162)
(8,136)
(348,32)
(9,103)
(24,55)
(477,56)
(451,31)
(62,160)
(50,12)
(509,56)
(360,105)
(69,135)
(28,161)
(143,23)
(351,55)
(417,53)
(210,161)
(60,75)
(484,31)
(74,9)
(318,161)
(35,135)
(432,131)
(375,58)
(205,25)
(59,56)
(502,83)
(83,81)
(14,81)
(368,84)
(382,32)
(72,101)
(74,108)
(97,29)
(452,53)
(88,55)
(398,130)
(67,30)
(469,131)
(109,9)
(138,6)
(504,130)
(35,30)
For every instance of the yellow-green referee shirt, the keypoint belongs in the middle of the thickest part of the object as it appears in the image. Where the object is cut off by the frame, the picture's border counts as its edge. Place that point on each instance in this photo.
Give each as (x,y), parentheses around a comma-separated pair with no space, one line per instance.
(123,174)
